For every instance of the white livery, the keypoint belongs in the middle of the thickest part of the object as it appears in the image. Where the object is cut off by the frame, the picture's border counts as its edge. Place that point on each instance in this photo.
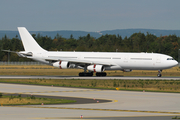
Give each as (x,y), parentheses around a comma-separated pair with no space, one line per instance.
(94,61)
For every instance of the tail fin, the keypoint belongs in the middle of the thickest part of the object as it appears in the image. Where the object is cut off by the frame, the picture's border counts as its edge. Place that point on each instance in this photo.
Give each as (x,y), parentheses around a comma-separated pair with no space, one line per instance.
(29,42)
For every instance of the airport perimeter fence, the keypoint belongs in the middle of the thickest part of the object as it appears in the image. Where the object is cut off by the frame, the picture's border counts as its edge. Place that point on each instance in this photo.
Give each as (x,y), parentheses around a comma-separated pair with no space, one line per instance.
(21,63)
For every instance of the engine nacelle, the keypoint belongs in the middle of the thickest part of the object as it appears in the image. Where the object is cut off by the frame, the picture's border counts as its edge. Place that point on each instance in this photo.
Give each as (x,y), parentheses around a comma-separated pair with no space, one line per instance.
(96,68)
(61,64)
(127,70)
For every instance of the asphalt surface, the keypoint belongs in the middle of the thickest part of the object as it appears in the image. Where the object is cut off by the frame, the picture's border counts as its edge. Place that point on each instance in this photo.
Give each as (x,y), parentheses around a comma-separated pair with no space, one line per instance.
(118,105)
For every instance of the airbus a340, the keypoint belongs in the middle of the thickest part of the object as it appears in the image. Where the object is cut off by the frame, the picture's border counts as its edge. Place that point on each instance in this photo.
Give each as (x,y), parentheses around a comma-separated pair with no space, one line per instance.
(94,62)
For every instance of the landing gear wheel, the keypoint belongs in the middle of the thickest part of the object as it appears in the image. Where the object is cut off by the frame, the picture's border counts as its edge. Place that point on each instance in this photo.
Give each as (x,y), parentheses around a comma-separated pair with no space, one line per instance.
(101,74)
(159,75)
(86,74)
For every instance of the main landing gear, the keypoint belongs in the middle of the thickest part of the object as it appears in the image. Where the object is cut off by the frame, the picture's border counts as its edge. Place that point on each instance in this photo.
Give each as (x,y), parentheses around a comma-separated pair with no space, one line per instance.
(99,74)
(159,73)
(86,74)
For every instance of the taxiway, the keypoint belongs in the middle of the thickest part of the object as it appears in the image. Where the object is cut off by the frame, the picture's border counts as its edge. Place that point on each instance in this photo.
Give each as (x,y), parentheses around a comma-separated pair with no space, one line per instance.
(120,105)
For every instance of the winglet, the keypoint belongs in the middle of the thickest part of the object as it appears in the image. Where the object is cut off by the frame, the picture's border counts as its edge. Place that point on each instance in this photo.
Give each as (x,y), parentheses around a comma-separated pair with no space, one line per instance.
(29,42)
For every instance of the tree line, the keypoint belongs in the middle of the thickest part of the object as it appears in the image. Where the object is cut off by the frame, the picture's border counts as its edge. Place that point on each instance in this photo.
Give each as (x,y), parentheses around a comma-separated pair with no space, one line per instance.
(137,42)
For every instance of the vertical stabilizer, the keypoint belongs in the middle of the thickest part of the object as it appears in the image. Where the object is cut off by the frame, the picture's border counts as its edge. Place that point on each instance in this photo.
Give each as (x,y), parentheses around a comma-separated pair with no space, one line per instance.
(29,42)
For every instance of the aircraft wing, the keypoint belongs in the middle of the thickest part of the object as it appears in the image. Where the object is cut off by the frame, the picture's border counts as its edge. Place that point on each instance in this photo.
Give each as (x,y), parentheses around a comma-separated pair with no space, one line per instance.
(79,61)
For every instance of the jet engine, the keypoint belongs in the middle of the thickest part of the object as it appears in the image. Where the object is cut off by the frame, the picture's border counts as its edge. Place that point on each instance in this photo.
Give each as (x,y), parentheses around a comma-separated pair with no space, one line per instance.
(96,68)
(61,64)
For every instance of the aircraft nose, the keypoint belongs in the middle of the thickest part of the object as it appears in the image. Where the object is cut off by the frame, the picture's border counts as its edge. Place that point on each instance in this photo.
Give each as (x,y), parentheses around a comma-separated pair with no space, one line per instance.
(175,63)
(171,63)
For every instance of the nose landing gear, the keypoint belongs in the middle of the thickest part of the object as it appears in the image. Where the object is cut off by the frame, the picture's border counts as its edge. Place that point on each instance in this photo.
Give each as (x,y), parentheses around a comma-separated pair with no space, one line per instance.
(159,73)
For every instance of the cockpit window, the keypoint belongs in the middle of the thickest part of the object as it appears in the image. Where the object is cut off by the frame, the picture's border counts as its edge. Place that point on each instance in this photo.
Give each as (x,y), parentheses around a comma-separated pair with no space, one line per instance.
(170,59)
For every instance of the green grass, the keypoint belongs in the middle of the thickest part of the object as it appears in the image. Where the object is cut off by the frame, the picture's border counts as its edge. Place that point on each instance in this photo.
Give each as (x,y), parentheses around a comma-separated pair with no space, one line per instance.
(49,70)
(131,85)
(30,100)
(135,85)
(175,117)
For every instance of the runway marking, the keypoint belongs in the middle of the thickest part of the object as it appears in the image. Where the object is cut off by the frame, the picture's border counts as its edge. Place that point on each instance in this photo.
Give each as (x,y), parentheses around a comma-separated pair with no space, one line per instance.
(117,110)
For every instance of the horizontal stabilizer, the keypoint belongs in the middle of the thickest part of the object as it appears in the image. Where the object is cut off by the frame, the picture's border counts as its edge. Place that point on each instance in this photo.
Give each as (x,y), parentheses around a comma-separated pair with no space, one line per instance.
(13,52)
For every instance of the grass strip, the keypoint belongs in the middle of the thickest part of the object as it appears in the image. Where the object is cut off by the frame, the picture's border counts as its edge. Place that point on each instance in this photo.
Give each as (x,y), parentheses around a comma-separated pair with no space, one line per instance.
(6,100)
(172,86)
(175,117)
(49,70)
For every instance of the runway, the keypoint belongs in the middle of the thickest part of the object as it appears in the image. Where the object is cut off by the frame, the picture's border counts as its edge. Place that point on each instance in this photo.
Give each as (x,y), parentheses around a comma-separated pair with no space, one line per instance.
(120,105)
(93,77)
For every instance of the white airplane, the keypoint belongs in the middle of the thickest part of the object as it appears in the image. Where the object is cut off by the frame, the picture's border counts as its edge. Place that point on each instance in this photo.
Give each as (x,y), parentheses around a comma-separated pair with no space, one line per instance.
(94,61)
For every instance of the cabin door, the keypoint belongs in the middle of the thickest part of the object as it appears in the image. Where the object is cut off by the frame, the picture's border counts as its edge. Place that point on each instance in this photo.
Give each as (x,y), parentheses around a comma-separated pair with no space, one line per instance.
(158,59)
(126,57)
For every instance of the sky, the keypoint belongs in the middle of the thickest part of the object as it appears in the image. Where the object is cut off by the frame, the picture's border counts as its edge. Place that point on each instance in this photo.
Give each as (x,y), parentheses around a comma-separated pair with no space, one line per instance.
(89,15)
